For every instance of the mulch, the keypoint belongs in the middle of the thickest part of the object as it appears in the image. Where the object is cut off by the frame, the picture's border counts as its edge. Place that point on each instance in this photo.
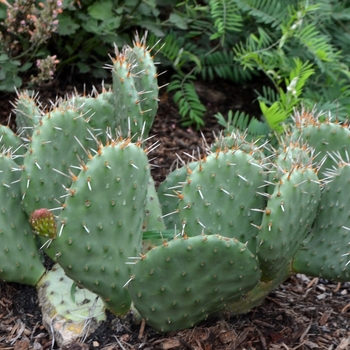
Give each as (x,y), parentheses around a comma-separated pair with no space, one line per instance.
(302,313)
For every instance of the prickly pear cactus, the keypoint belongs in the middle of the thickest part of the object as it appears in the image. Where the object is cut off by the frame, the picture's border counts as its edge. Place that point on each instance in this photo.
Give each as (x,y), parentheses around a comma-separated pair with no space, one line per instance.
(100,227)
(168,194)
(145,81)
(98,112)
(28,113)
(180,283)
(153,220)
(221,196)
(12,143)
(288,156)
(135,90)
(289,215)
(326,251)
(43,223)
(325,136)
(19,258)
(60,145)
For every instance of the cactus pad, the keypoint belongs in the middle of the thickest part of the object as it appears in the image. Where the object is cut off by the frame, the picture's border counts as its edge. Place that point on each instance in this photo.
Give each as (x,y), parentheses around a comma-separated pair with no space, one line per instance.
(180,283)
(325,253)
(101,224)
(19,257)
(221,196)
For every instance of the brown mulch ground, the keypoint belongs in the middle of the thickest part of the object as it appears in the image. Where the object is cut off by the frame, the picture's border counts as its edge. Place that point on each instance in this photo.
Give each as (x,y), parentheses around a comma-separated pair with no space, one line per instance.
(301,314)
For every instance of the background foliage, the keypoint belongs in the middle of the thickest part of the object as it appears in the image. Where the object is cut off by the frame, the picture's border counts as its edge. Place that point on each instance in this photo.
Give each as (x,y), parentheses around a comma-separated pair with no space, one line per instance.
(301,46)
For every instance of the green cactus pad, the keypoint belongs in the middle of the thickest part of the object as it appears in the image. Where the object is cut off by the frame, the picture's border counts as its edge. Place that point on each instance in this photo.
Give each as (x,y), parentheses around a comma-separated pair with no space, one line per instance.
(27,112)
(179,284)
(326,252)
(221,196)
(257,295)
(152,213)
(126,97)
(286,158)
(60,142)
(12,143)
(98,111)
(101,224)
(145,81)
(19,258)
(168,198)
(325,137)
(238,140)
(290,213)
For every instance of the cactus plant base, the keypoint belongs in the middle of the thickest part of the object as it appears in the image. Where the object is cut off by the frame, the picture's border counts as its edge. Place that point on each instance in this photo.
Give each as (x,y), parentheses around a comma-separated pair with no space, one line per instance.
(68,311)
(257,295)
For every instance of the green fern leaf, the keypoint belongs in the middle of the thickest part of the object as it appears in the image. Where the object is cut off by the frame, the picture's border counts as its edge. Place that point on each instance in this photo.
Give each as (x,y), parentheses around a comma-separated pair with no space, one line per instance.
(227,18)
(264,11)
(190,107)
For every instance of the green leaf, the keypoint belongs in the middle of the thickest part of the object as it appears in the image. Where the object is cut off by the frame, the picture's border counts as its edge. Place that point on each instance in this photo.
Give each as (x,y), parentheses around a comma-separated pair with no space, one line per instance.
(3,12)
(178,21)
(92,26)
(152,27)
(111,24)
(66,25)
(26,66)
(274,115)
(83,68)
(3,57)
(102,10)
(9,82)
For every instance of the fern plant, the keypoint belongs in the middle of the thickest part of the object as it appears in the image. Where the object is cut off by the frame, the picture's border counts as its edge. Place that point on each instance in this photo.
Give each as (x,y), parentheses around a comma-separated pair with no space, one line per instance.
(300,45)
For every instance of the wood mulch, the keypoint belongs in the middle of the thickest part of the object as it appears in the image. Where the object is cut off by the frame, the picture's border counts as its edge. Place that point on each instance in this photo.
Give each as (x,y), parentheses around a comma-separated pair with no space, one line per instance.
(302,313)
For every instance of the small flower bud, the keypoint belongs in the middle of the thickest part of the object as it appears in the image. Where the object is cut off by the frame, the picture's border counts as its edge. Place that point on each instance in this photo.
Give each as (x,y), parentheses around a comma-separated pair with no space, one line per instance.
(43,223)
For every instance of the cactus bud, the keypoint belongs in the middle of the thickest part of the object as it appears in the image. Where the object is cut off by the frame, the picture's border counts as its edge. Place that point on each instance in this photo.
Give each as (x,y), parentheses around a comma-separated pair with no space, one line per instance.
(43,223)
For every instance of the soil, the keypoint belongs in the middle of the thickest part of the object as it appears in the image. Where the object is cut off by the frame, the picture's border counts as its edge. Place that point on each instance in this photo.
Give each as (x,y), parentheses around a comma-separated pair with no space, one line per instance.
(302,313)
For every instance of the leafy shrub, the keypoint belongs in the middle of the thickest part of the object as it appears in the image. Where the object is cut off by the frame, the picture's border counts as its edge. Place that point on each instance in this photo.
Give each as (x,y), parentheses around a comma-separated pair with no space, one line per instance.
(288,41)
(81,31)
(25,29)
(300,45)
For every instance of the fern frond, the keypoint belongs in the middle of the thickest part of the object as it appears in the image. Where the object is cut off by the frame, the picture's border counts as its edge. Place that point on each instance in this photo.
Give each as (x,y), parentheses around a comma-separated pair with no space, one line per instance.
(317,45)
(334,98)
(298,77)
(226,18)
(268,95)
(222,64)
(275,114)
(281,109)
(171,45)
(270,12)
(255,50)
(190,107)
(199,28)
(243,122)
